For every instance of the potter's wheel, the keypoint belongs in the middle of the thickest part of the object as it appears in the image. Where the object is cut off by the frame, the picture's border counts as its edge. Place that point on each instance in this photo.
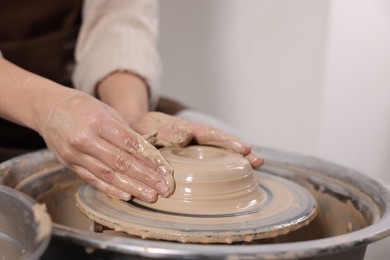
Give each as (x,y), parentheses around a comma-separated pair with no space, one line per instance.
(218,199)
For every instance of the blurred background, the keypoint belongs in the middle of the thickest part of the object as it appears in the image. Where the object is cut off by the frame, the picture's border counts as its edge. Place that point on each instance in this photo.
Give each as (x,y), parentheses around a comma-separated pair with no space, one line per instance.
(309,77)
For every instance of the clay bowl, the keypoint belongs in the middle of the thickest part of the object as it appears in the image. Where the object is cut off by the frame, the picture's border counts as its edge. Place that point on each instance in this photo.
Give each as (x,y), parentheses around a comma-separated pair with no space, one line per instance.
(218,199)
(25,226)
(209,181)
(354,211)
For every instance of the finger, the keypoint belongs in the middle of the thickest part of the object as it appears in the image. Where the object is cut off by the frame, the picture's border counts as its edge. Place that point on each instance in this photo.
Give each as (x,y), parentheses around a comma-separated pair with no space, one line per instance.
(254,160)
(119,161)
(147,152)
(150,138)
(113,157)
(114,183)
(136,174)
(136,188)
(135,144)
(172,131)
(208,135)
(173,136)
(99,184)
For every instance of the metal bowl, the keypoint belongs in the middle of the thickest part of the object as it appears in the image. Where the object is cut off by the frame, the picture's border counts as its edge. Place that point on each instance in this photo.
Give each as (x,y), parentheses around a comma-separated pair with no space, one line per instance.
(353,212)
(25,226)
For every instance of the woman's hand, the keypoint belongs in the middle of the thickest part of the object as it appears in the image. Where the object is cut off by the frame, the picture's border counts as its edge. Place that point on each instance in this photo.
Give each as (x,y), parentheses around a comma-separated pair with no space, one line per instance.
(94,141)
(173,131)
(87,136)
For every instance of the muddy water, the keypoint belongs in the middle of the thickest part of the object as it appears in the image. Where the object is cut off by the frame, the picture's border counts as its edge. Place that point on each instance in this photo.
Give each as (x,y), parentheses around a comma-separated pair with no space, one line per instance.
(61,205)
(10,249)
(334,218)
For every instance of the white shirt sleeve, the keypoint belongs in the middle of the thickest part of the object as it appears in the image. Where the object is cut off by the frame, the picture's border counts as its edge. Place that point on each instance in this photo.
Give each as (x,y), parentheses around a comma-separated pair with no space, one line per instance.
(118,35)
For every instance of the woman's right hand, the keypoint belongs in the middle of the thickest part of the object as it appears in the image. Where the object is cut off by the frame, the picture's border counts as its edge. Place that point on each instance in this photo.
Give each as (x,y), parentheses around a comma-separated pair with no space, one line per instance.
(87,136)
(93,140)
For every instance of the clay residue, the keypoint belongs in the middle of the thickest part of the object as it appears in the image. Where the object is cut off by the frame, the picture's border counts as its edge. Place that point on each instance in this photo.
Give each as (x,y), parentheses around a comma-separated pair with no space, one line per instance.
(42,221)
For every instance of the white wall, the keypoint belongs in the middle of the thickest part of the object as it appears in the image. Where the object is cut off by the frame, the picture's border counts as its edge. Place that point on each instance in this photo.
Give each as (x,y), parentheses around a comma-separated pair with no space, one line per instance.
(355,125)
(262,61)
(305,76)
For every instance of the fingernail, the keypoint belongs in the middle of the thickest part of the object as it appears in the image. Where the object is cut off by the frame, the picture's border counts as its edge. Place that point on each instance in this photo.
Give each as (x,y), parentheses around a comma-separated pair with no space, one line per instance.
(124,196)
(148,195)
(257,162)
(164,170)
(161,188)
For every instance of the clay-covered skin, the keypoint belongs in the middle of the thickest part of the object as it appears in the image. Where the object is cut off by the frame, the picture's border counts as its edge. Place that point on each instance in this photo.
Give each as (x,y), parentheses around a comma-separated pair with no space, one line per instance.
(174,131)
(148,151)
(107,153)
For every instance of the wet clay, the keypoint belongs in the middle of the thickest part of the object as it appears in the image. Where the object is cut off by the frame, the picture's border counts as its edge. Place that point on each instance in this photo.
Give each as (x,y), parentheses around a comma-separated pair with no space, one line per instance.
(209,181)
(42,222)
(148,151)
(218,199)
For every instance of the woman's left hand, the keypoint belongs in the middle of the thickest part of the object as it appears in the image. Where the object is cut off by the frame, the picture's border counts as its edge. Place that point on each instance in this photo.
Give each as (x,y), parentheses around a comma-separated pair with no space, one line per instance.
(174,131)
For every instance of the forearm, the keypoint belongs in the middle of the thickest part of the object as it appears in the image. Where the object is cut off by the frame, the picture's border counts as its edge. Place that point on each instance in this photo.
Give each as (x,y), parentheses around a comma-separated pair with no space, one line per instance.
(26,98)
(126,93)
(126,33)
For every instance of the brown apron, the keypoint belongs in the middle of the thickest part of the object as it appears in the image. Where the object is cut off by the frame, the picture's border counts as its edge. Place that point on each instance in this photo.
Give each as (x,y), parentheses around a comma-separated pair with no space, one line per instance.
(40,37)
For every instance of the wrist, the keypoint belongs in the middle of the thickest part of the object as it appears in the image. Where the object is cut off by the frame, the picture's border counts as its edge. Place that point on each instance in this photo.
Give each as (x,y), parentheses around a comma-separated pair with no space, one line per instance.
(27,98)
(125,92)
